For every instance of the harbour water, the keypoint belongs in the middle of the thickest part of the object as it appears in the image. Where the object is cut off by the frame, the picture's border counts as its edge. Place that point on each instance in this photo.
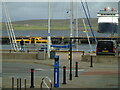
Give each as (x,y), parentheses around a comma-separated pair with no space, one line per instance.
(81,47)
(53,33)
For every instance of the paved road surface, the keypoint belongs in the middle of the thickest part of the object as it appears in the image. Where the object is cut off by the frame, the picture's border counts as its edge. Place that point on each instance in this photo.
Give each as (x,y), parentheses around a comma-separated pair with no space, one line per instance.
(100,76)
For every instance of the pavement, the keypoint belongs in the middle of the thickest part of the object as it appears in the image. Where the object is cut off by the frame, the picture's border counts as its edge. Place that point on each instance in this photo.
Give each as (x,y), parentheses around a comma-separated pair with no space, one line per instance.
(101,75)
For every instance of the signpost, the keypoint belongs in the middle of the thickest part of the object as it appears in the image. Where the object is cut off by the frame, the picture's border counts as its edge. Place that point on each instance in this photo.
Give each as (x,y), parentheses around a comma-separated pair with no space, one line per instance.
(56,72)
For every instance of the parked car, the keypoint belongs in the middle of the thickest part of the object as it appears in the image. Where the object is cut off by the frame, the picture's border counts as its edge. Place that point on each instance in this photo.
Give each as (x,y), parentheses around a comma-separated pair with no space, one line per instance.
(106,47)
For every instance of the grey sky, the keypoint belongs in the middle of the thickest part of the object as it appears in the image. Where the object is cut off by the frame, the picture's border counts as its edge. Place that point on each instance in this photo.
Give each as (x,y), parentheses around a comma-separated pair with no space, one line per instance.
(39,10)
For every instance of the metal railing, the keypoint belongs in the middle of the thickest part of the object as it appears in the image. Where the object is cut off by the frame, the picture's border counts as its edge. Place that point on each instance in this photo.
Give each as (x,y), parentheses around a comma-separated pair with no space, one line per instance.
(43,82)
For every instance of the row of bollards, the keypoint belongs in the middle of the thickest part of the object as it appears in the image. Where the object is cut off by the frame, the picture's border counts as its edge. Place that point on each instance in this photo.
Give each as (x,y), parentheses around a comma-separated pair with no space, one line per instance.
(56,72)
(56,75)
(64,72)
(76,70)
(19,84)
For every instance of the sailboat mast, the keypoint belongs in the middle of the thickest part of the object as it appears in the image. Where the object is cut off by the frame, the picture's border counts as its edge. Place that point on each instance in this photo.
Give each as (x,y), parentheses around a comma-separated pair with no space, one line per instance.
(77,24)
(71,19)
(49,37)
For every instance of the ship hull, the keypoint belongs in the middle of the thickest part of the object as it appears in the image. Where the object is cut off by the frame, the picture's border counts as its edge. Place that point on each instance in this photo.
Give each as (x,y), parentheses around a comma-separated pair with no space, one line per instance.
(107,28)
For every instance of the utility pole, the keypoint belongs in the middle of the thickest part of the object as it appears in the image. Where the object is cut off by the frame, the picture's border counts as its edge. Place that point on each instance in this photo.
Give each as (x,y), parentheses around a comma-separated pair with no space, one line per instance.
(49,37)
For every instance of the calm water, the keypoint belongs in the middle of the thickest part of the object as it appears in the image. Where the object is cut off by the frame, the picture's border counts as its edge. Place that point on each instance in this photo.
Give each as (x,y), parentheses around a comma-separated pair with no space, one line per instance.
(82,47)
(53,33)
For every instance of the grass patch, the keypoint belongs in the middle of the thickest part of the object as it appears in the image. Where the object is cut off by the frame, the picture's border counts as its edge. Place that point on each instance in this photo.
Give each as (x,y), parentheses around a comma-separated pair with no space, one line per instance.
(55,25)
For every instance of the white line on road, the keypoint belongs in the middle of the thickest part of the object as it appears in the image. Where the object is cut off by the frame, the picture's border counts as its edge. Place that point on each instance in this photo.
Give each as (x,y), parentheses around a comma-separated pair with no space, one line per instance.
(78,70)
(39,69)
(69,70)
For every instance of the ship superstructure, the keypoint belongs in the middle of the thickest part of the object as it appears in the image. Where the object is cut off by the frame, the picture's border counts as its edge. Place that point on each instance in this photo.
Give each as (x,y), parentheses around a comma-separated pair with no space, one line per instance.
(108,20)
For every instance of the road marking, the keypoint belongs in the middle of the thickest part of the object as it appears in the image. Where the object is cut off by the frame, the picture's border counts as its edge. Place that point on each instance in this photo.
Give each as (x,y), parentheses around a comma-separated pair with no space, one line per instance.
(78,70)
(100,73)
(39,69)
(69,70)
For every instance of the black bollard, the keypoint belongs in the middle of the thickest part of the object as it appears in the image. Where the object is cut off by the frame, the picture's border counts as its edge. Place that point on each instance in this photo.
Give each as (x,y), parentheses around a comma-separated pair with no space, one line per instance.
(10,51)
(91,65)
(76,70)
(32,78)
(25,84)
(17,83)
(83,53)
(20,83)
(12,83)
(64,74)
(28,51)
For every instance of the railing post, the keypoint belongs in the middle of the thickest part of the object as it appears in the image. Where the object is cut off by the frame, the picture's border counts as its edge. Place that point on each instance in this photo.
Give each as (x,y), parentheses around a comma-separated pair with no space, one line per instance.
(76,71)
(64,74)
(32,78)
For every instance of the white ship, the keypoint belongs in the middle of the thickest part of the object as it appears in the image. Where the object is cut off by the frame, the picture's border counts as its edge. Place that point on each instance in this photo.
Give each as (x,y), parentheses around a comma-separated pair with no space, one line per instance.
(108,20)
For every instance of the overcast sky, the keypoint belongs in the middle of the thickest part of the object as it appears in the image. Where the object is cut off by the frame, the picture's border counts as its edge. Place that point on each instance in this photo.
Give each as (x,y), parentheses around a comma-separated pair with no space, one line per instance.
(39,10)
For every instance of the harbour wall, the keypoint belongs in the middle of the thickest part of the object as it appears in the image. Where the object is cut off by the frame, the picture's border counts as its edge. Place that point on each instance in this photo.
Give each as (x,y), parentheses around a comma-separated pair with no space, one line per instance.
(101,59)
(77,56)
(64,40)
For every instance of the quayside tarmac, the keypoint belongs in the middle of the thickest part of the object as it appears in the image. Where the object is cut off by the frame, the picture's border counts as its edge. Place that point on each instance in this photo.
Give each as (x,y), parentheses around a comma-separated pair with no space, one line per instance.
(101,75)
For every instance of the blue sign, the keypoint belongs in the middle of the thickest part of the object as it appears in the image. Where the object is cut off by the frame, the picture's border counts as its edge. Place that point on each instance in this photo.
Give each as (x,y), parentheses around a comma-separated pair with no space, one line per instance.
(56,72)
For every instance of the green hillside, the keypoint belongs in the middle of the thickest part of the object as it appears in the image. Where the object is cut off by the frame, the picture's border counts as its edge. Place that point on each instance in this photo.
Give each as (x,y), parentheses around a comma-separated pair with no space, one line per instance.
(55,24)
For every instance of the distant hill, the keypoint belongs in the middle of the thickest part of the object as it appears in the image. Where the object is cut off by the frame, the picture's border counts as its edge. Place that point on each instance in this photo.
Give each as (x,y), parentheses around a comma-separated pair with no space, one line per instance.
(56,24)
